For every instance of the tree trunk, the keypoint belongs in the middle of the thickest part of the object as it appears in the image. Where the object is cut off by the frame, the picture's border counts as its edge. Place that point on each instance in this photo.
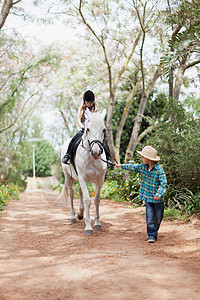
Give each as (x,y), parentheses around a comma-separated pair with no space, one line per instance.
(179,78)
(144,133)
(136,128)
(171,71)
(171,80)
(138,119)
(109,132)
(113,148)
(6,6)
(123,120)
(119,74)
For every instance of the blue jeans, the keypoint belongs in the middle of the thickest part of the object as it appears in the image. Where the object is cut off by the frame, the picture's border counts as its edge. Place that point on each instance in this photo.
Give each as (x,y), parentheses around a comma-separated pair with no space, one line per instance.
(154,216)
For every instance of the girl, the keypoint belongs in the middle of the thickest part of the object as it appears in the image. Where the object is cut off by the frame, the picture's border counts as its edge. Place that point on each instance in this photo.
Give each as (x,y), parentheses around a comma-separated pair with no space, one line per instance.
(90,104)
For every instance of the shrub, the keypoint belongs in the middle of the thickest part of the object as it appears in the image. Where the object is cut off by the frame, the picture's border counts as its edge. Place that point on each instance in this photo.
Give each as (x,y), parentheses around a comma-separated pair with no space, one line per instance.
(91,188)
(177,140)
(45,156)
(7,193)
(110,190)
(192,204)
(183,200)
(122,186)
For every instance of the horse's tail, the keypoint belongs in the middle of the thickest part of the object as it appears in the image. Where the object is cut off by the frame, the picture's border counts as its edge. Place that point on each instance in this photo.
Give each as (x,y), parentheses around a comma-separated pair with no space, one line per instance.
(62,198)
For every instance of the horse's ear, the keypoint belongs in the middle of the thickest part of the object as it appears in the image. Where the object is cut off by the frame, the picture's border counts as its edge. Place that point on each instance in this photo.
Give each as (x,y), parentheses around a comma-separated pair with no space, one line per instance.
(103,114)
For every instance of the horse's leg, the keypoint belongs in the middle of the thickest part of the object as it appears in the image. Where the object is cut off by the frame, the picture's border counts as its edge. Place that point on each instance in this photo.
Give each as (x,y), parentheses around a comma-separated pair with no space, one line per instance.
(72,212)
(97,224)
(81,209)
(65,193)
(68,185)
(87,203)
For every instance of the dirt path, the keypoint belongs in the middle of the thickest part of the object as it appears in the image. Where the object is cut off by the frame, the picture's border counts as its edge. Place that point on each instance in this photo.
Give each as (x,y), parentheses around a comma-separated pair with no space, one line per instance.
(43,256)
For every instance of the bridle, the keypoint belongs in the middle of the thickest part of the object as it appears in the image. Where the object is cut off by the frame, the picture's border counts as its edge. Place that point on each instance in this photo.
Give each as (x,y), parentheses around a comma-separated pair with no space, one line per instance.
(100,144)
(91,144)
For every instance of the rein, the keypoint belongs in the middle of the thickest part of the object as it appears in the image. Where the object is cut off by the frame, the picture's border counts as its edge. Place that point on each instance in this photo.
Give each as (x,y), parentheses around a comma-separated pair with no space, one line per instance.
(108,163)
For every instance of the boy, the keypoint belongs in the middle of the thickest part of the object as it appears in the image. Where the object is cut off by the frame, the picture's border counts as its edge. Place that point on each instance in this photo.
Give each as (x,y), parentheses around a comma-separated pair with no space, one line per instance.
(153,184)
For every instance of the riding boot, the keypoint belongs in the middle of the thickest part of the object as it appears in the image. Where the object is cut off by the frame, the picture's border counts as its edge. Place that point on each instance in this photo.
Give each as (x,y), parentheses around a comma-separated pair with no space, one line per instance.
(66,159)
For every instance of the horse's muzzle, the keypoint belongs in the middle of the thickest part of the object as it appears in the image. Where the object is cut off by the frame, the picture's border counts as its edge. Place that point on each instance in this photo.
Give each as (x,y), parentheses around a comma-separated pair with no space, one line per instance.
(96,154)
(96,148)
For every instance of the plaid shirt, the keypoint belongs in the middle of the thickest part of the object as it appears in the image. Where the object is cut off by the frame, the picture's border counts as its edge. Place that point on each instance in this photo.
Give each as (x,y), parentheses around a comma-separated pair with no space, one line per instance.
(152,183)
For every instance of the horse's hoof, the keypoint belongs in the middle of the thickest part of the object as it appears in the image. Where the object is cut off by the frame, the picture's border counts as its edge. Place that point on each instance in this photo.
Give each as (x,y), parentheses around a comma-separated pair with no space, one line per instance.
(80,217)
(97,227)
(88,232)
(73,221)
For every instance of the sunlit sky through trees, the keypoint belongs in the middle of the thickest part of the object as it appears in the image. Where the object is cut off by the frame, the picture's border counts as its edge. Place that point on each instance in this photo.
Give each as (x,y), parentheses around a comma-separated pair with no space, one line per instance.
(36,33)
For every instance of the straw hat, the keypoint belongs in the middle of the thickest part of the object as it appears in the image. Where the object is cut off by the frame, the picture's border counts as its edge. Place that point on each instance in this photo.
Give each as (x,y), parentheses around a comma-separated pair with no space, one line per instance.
(150,153)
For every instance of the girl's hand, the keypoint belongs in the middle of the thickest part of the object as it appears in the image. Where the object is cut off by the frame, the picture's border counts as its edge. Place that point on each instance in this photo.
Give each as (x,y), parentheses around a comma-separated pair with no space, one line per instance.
(156,198)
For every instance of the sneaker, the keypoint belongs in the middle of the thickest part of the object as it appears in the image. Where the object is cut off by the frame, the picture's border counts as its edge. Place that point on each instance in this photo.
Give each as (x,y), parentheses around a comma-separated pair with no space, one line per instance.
(151,239)
(65,159)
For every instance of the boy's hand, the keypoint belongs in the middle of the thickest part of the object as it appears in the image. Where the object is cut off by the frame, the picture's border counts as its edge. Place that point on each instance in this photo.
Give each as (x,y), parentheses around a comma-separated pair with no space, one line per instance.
(118,165)
(156,198)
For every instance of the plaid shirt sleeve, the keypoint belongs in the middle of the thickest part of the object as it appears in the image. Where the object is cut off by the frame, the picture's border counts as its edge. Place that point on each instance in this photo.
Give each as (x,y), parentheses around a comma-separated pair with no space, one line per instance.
(163,184)
(132,167)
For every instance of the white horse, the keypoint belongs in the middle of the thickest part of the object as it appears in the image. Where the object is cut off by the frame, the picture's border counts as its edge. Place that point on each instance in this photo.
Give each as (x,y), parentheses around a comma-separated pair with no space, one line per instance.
(90,166)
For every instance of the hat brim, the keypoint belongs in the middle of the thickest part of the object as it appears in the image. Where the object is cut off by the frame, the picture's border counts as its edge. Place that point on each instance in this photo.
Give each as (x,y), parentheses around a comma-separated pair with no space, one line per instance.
(157,158)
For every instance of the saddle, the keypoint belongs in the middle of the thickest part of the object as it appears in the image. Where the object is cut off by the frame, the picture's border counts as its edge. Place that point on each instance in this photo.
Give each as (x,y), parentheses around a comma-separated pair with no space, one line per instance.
(73,145)
(74,148)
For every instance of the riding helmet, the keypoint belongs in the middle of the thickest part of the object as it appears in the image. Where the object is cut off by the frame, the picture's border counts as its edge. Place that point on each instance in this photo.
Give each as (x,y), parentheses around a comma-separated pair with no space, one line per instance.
(88,96)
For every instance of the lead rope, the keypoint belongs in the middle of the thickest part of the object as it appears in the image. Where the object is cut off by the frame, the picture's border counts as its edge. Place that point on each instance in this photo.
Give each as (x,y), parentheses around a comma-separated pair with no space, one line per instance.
(109,163)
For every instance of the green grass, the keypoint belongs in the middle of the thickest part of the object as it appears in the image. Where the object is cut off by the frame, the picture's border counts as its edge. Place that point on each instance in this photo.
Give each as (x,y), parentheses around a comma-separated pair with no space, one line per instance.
(174,215)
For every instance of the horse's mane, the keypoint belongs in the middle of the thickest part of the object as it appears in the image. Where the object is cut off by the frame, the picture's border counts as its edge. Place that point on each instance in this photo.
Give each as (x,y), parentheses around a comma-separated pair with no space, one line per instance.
(95,118)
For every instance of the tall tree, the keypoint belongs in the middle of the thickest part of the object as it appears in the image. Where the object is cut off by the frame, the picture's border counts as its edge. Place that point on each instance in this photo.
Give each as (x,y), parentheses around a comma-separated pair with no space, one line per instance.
(99,16)
(147,17)
(24,78)
(182,55)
